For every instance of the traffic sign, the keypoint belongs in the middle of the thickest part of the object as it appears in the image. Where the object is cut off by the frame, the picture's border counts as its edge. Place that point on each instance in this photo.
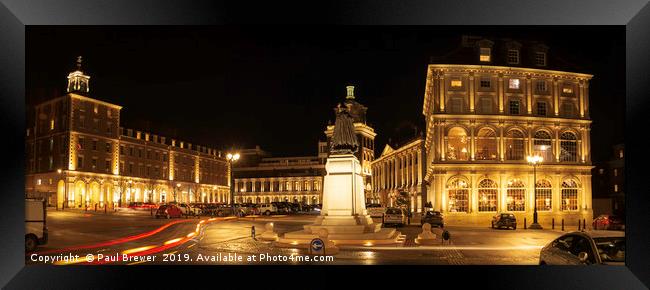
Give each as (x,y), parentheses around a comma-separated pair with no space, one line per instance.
(317,247)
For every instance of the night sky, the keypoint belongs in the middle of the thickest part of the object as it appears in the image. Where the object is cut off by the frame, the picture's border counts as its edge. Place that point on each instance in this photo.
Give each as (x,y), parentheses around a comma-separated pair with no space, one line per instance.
(275,86)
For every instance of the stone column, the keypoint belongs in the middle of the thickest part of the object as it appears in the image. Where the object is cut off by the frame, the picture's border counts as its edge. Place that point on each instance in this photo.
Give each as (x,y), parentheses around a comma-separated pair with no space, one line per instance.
(500,93)
(556,101)
(443,91)
(472,143)
(471,92)
(582,98)
(556,193)
(556,142)
(501,144)
(529,95)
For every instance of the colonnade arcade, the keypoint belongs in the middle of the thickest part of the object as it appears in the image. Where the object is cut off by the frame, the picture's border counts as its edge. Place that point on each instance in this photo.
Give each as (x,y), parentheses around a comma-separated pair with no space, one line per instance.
(90,191)
(307,190)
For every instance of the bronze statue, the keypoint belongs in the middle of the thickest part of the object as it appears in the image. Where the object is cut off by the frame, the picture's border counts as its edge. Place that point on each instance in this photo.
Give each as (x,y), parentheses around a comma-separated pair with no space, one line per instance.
(344,140)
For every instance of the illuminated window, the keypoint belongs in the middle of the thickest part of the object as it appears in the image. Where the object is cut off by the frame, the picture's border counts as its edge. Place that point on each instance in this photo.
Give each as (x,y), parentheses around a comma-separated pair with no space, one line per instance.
(52,124)
(458,196)
(540,86)
(515,145)
(514,107)
(544,195)
(567,90)
(620,154)
(28,132)
(541,108)
(457,144)
(51,164)
(38,182)
(569,195)
(456,83)
(107,165)
(108,147)
(485,54)
(51,144)
(542,145)
(568,147)
(601,171)
(615,187)
(615,172)
(80,144)
(485,83)
(513,56)
(94,162)
(516,195)
(486,144)
(96,109)
(513,84)
(487,195)
(540,58)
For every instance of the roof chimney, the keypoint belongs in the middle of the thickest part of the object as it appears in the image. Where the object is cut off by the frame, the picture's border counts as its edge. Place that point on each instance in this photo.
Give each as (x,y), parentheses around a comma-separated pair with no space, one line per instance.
(350,90)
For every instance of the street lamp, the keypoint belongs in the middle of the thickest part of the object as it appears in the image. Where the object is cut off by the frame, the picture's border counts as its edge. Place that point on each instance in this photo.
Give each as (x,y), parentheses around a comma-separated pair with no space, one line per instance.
(535,161)
(231,159)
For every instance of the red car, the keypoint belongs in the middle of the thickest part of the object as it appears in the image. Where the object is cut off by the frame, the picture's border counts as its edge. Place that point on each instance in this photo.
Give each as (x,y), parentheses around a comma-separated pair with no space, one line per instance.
(608,222)
(169,211)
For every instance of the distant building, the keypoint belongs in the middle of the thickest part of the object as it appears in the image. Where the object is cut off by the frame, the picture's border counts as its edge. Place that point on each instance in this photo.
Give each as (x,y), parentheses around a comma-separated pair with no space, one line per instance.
(488,105)
(78,155)
(609,184)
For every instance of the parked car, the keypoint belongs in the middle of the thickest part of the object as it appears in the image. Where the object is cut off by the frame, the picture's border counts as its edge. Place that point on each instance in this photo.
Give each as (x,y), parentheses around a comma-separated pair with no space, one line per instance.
(268,209)
(169,211)
(504,220)
(396,216)
(136,205)
(36,232)
(375,209)
(585,248)
(608,222)
(186,209)
(434,218)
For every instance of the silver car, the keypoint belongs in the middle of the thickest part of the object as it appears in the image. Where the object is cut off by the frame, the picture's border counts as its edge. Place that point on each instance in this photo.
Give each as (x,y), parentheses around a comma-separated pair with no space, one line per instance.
(395,216)
(585,248)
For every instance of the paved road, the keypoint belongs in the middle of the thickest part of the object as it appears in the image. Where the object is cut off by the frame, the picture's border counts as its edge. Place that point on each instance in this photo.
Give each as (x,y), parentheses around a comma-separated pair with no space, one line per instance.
(218,240)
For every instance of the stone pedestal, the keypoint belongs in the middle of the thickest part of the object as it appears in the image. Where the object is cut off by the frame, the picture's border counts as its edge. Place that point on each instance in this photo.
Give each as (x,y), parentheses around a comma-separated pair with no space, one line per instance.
(426,237)
(344,214)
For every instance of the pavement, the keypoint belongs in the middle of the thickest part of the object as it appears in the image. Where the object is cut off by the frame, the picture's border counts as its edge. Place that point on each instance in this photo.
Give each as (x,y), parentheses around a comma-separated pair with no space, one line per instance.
(212,241)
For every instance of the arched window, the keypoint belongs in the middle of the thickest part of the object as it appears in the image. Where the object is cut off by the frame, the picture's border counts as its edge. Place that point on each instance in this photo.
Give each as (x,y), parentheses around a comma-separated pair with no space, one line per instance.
(544,195)
(515,145)
(457,147)
(458,196)
(569,195)
(315,188)
(568,147)
(542,145)
(306,186)
(486,144)
(516,195)
(487,195)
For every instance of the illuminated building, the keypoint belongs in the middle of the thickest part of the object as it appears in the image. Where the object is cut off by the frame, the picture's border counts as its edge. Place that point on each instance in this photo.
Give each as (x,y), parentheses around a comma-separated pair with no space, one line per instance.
(484,119)
(400,170)
(78,154)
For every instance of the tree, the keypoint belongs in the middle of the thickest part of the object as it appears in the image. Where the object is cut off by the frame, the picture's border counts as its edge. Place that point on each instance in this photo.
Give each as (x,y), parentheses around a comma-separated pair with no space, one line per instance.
(151,184)
(403,200)
(121,184)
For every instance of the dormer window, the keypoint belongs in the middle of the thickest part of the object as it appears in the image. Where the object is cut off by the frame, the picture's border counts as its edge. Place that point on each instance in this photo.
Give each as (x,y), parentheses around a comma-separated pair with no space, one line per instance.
(540,58)
(513,56)
(484,54)
(456,83)
(567,90)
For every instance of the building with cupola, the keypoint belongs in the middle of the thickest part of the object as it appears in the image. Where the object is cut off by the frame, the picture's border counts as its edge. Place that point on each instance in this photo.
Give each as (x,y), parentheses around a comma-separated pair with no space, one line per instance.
(78,156)
(490,104)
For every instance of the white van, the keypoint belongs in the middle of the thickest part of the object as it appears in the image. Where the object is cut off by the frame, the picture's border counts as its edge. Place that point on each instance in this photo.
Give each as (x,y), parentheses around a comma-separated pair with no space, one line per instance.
(35,223)
(267,209)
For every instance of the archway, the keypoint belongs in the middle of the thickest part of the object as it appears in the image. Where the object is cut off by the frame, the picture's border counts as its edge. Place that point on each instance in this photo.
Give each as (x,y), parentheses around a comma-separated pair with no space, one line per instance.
(94,197)
(78,195)
(60,194)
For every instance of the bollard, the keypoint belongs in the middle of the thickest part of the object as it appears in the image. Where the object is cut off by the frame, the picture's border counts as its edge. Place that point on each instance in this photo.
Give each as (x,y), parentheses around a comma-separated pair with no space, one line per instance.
(106,209)
(253,232)
(578,225)
(95,207)
(584,224)
(151,211)
(524,223)
(562,224)
(553,223)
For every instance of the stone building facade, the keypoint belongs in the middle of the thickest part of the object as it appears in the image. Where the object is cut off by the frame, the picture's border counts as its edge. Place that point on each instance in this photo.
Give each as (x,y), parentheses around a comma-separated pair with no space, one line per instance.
(400,170)
(79,156)
(484,119)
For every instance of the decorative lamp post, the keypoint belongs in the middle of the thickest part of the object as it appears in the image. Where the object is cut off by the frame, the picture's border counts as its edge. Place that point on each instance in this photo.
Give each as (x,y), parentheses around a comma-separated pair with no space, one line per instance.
(535,161)
(231,159)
